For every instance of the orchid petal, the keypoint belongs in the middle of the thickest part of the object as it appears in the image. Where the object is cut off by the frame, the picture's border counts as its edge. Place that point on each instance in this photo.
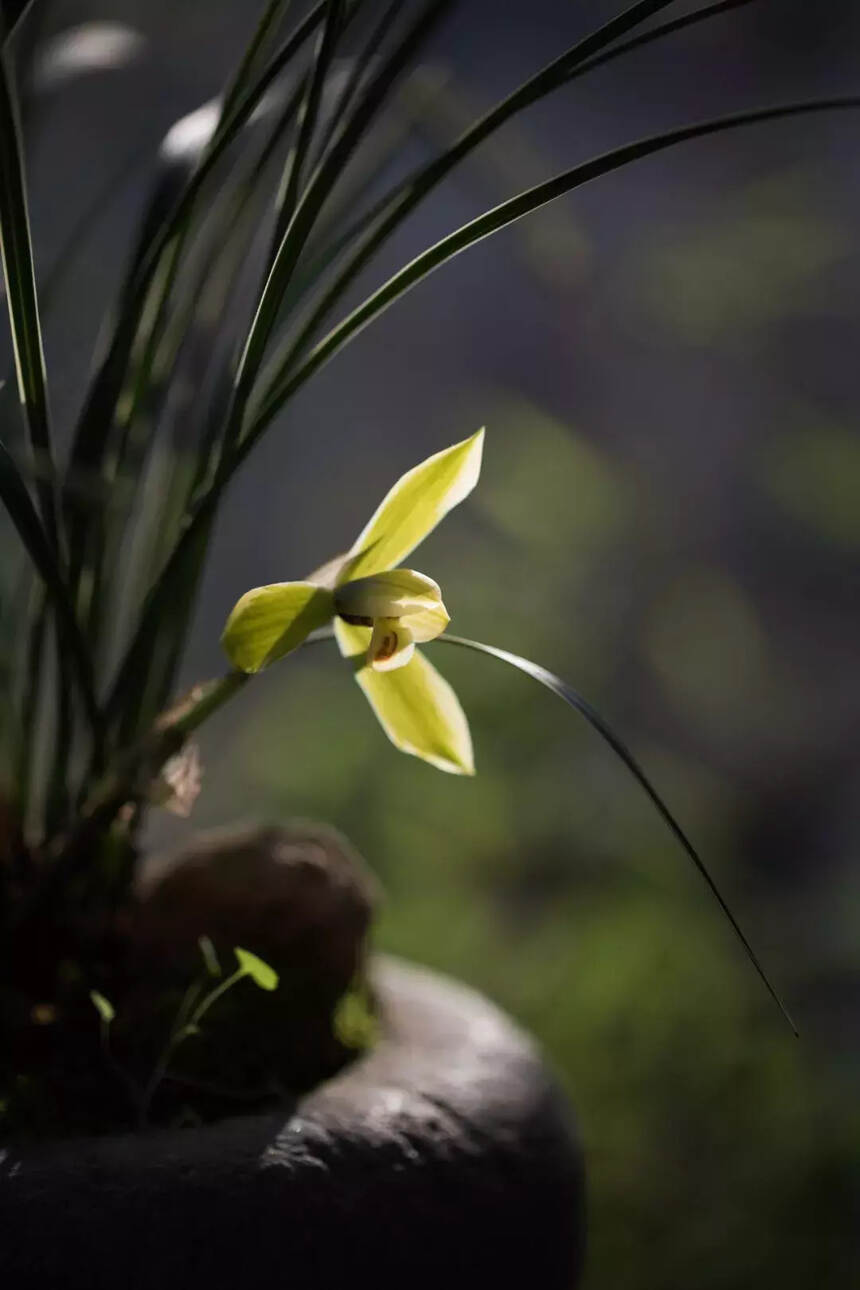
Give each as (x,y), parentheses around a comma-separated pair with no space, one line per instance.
(415,505)
(270,621)
(387,595)
(415,706)
(334,571)
(426,624)
(391,645)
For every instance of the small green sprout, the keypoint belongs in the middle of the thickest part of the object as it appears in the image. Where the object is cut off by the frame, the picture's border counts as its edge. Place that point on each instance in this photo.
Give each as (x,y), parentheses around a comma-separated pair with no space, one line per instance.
(193,1009)
(259,972)
(354,1023)
(103,1007)
(210,958)
(191,1012)
(379,612)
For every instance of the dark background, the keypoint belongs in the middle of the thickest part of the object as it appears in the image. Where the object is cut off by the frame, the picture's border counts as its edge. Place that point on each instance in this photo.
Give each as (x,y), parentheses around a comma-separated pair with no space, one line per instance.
(669,516)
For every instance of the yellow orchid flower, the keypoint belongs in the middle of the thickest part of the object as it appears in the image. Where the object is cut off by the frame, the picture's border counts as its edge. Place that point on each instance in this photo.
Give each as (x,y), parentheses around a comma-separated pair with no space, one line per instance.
(380,612)
(401,607)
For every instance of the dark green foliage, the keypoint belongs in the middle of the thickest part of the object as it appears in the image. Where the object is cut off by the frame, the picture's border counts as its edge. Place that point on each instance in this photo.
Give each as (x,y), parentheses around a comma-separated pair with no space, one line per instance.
(115,578)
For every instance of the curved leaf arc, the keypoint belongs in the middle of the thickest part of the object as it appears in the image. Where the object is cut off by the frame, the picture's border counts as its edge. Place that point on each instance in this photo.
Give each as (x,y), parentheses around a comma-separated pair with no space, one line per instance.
(574,699)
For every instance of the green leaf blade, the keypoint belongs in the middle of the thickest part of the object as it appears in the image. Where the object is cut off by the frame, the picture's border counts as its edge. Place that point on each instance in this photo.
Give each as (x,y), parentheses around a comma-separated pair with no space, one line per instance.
(209,956)
(286,382)
(22,301)
(103,1007)
(574,700)
(16,499)
(260,973)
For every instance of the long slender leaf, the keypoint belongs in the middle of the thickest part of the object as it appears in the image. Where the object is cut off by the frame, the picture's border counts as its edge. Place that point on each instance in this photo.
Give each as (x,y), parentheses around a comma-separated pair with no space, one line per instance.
(574,699)
(22,512)
(289,191)
(193,329)
(20,279)
(11,13)
(359,68)
(376,225)
(95,421)
(222,265)
(229,130)
(242,201)
(36,621)
(271,16)
(393,208)
(323,251)
(157,352)
(273,12)
(298,230)
(498,218)
(203,300)
(313,198)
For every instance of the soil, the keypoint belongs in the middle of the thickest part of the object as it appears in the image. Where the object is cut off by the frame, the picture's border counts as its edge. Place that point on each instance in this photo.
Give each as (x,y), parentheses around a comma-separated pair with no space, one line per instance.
(298,897)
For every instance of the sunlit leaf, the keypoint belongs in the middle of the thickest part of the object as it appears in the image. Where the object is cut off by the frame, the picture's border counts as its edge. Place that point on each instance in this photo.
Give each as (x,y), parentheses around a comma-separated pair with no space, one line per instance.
(260,973)
(415,706)
(416,504)
(269,622)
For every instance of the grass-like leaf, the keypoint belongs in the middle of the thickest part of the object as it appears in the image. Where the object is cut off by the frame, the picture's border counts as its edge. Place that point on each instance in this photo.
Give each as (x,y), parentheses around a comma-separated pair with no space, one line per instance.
(389,212)
(346,140)
(243,77)
(11,13)
(24,516)
(360,65)
(501,217)
(370,230)
(19,275)
(96,418)
(307,119)
(574,699)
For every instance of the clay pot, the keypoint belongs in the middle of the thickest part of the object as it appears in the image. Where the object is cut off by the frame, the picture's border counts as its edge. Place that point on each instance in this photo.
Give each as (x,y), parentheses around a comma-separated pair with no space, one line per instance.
(442,1158)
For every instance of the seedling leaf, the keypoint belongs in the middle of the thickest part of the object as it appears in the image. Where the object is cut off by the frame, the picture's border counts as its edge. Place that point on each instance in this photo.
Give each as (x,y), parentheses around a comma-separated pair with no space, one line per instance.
(259,972)
(103,1007)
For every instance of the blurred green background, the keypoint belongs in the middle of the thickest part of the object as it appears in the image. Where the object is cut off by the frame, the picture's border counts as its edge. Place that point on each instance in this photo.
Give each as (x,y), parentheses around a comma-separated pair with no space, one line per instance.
(669,517)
